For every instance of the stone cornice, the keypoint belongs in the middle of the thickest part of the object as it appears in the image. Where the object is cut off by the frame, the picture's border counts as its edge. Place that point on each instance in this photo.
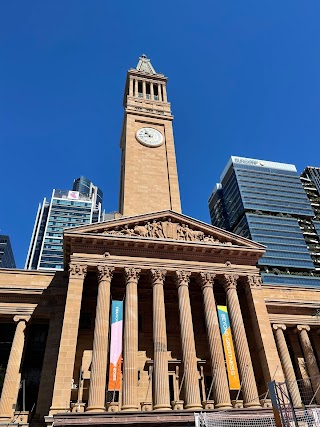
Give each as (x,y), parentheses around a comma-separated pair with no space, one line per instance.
(146,264)
(294,320)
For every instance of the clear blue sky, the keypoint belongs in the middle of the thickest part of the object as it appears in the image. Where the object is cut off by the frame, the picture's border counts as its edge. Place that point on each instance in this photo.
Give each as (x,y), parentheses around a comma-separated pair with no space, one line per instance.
(243,80)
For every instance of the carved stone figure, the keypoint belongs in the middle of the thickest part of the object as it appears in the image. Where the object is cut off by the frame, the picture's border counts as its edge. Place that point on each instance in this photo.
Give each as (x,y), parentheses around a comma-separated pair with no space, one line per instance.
(167,230)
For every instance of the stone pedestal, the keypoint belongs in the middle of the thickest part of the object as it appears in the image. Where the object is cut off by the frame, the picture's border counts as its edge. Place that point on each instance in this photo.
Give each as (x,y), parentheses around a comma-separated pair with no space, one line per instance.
(113,407)
(98,374)
(146,406)
(12,377)
(130,342)
(209,404)
(177,405)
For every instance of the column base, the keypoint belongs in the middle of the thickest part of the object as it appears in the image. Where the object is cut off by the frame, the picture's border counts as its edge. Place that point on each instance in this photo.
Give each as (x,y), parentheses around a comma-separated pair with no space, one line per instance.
(223,405)
(252,405)
(60,410)
(96,409)
(193,407)
(162,407)
(128,408)
(5,418)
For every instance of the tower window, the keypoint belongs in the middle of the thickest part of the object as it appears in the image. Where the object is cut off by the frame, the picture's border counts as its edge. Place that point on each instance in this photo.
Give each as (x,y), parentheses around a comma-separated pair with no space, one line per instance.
(140,94)
(155,91)
(148,96)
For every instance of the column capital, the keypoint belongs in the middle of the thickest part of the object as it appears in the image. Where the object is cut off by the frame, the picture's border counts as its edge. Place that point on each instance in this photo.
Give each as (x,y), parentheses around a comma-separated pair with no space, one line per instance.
(303,328)
(277,326)
(253,282)
(21,318)
(78,271)
(182,278)
(105,272)
(205,279)
(132,274)
(229,281)
(157,276)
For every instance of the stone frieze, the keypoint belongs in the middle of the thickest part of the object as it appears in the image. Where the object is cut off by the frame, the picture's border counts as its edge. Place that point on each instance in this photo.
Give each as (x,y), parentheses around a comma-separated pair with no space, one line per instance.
(165,230)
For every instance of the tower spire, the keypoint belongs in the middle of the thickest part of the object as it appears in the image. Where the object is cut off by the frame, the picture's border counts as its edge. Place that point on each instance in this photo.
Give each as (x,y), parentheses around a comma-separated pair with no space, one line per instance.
(145,65)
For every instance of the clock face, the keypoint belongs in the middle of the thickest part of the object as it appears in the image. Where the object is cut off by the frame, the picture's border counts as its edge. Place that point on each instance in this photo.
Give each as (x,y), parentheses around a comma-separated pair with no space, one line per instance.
(150,137)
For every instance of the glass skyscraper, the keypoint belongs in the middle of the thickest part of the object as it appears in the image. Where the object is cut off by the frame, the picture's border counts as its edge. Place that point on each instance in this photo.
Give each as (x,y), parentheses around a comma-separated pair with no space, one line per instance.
(6,254)
(67,208)
(265,201)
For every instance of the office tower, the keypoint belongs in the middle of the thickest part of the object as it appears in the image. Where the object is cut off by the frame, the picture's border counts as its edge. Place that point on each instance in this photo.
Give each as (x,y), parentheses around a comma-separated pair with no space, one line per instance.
(265,201)
(6,254)
(66,208)
(310,179)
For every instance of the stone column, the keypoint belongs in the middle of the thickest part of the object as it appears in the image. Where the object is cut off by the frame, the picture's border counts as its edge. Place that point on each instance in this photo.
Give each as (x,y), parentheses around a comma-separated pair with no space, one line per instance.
(160,358)
(151,91)
(131,87)
(287,364)
(191,374)
(136,88)
(159,92)
(12,378)
(310,358)
(249,388)
(218,368)
(68,341)
(98,376)
(130,342)
(164,93)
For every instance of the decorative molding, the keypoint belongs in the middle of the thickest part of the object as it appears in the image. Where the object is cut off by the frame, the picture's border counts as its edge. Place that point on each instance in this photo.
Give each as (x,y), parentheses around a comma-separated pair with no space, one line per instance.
(303,328)
(229,281)
(21,318)
(276,326)
(78,270)
(166,230)
(105,272)
(157,276)
(206,279)
(182,278)
(253,282)
(132,274)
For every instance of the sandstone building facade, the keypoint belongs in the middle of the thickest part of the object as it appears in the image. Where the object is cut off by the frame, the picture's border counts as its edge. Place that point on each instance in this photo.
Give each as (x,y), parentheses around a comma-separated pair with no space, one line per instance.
(171,271)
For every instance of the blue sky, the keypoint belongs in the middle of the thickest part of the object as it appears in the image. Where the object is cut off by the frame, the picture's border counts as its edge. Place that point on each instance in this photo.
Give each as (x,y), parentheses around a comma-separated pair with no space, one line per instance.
(243,80)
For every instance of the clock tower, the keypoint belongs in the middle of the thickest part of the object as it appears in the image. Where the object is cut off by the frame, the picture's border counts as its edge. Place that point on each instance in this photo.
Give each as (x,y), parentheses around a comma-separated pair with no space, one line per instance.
(149,179)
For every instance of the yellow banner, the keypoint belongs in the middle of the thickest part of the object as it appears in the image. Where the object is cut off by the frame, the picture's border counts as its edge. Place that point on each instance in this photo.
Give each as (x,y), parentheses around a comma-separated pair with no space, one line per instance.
(232,368)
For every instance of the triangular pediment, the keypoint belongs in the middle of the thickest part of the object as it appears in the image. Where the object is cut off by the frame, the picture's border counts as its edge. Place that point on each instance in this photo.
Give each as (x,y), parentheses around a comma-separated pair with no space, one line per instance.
(165,225)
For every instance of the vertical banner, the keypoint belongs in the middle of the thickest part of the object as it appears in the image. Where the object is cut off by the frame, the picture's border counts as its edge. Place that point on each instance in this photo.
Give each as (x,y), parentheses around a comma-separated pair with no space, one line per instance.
(232,368)
(115,346)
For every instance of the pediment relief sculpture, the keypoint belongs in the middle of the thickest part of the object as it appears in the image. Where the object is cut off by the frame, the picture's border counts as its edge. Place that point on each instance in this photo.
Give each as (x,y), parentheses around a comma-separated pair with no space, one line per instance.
(165,230)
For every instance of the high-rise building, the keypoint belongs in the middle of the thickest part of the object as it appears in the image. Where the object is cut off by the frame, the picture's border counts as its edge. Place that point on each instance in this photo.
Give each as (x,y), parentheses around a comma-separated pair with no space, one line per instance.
(6,254)
(66,208)
(265,201)
(310,179)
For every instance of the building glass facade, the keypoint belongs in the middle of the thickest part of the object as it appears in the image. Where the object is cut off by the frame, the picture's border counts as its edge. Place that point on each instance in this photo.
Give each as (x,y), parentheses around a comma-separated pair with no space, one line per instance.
(6,253)
(67,208)
(265,201)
